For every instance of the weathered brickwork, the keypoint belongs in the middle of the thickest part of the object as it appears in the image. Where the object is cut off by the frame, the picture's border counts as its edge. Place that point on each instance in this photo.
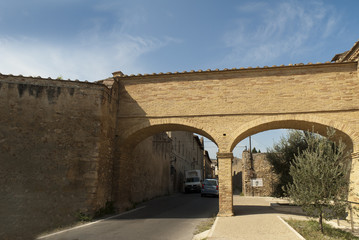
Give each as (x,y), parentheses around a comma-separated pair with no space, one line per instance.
(150,174)
(54,156)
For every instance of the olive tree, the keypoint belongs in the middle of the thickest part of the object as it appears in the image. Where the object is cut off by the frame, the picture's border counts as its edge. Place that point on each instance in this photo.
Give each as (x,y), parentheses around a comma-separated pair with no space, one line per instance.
(320,176)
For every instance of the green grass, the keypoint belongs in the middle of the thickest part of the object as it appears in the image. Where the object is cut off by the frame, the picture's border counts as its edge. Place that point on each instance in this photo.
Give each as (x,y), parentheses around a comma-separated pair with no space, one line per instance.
(204,225)
(310,230)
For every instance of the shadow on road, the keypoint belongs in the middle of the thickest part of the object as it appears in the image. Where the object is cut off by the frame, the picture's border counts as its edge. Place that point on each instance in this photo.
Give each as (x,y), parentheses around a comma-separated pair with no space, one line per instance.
(175,206)
(256,210)
(252,210)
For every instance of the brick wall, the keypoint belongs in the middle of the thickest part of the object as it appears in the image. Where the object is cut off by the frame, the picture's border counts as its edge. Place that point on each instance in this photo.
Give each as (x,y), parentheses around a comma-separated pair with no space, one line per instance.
(227,106)
(150,175)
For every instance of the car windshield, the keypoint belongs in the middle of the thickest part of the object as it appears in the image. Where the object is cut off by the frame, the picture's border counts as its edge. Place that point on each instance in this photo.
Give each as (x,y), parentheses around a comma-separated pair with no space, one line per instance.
(210,182)
(194,179)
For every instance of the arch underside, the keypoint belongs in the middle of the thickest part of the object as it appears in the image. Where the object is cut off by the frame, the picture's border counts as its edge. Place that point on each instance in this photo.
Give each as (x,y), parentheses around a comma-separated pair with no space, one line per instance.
(136,136)
(316,127)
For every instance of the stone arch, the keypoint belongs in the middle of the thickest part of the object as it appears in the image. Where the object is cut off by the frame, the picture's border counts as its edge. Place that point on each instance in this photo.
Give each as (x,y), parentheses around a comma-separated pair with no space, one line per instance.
(300,122)
(130,138)
(139,132)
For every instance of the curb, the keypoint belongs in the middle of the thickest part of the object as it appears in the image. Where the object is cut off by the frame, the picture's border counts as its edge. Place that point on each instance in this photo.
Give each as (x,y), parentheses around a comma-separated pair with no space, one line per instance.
(207,233)
(87,224)
(292,229)
(201,235)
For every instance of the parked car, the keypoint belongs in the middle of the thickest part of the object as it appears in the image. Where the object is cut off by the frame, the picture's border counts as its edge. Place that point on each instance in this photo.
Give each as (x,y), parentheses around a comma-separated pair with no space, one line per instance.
(210,187)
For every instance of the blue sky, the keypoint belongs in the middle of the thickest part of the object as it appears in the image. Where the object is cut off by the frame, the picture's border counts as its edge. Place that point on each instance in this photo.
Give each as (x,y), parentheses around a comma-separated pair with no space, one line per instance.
(88,39)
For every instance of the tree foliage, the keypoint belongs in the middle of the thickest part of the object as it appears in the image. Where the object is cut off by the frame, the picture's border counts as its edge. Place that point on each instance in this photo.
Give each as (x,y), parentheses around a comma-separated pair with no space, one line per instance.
(254,150)
(320,177)
(282,155)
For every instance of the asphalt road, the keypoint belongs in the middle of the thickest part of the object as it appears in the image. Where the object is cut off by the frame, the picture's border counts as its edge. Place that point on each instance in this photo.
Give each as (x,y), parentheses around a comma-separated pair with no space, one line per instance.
(171,217)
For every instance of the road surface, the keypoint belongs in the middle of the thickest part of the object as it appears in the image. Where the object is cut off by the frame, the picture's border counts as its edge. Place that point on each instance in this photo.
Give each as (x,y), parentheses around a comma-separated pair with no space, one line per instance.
(170,217)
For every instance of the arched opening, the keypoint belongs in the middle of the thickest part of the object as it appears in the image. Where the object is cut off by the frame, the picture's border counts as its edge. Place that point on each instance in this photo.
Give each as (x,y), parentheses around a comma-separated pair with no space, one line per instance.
(320,128)
(258,143)
(257,175)
(152,161)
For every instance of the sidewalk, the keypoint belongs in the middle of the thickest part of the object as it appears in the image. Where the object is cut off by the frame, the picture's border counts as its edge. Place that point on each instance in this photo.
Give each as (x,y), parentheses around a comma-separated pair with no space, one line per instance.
(254,219)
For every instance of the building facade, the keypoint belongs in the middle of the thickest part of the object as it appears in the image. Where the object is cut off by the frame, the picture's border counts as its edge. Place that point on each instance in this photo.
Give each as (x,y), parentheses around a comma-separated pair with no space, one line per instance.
(208,169)
(187,154)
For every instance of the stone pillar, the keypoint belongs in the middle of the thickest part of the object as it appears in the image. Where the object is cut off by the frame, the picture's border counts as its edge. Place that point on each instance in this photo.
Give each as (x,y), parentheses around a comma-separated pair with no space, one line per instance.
(225,184)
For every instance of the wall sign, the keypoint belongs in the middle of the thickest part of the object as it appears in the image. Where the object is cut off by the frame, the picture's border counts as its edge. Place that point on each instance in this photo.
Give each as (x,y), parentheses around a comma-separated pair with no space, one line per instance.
(257,182)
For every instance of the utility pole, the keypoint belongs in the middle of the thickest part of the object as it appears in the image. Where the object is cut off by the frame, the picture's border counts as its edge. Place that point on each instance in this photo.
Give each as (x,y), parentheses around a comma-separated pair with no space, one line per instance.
(250,153)
(251,160)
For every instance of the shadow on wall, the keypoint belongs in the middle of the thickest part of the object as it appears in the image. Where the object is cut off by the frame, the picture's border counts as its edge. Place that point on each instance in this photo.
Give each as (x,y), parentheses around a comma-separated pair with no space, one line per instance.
(237,183)
(50,151)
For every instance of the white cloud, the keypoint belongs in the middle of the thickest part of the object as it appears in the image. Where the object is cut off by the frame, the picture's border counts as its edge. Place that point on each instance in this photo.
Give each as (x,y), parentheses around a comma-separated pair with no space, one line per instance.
(92,60)
(267,32)
(91,55)
(109,44)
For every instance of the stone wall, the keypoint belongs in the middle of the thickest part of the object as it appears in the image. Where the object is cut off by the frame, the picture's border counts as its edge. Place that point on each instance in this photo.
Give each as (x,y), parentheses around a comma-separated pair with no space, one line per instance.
(150,176)
(55,152)
(262,170)
(159,162)
(237,175)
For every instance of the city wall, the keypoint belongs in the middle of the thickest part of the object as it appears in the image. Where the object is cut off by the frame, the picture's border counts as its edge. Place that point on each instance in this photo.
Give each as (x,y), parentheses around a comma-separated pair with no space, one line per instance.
(55,152)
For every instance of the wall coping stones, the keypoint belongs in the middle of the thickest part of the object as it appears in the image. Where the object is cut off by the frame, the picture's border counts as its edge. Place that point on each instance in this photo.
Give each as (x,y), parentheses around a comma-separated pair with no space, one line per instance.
(120,75)
(20,79)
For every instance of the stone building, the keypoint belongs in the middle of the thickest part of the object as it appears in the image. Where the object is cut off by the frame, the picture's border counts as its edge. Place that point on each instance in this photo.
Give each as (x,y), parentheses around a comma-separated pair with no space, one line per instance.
(215,167)
(160,162)
(257,174)
(187,154)
(208,170)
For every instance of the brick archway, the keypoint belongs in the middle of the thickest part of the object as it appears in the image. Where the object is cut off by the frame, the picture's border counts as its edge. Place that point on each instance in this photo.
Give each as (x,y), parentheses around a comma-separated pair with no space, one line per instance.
(227,106)
(344,131)
(299,122)
(129,140)
(139,132)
